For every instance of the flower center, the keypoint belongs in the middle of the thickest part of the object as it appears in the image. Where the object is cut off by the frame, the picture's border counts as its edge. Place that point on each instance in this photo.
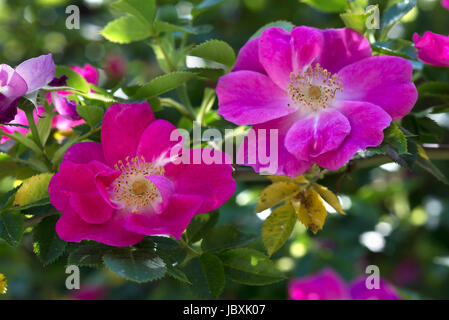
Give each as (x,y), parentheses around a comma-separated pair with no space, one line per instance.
(314,88)
(132,190)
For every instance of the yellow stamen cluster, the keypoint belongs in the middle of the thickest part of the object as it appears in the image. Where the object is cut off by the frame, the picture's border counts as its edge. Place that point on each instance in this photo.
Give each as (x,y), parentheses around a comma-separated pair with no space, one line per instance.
(315,87)
(132,189)
(3,284)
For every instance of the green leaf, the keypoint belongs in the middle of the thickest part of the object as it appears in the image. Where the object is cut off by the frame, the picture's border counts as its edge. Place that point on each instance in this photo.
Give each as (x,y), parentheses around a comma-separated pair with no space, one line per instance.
(286,25)
(33,189)
(424,162)
(207,73)
(356,21)
(206,273)
(91,113)
(126,30)
(278,227)
(135,264)
(395,47)
(144,10)
(200,225)
(224,237)
(276,193)
(162,26)
(44,127)
(74,79)
(328,5)
(163,84)
(434,89)
(7,199)
(11,227)
(178,274)
(204,6)
(250,267)
(394,137)
(88,255)
(396,12)
(29,143)
(215,50)
(47,244)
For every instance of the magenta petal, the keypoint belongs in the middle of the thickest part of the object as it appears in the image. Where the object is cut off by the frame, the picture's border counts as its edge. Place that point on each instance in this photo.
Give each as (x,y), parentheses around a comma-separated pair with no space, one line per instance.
(307,44)
(173,221)
(91,207)
(386,291)
(11,83)
(317,134)
(325,285)
(64,107)
(275,54)
(212,182)
(88,72)
(384,81)
(84,152)
(367,124)
(247,97)
(165,188)
(255,149)
(248,57)
(433,48)
(70,227)
(123,125)
(157,140)
(37,72)
(445,4)
(103,182)
(343,47)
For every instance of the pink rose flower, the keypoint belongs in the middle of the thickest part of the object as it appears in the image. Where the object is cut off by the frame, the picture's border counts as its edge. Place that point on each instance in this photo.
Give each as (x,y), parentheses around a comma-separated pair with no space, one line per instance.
(27,78)
(67,117)
(323,91)
(445,4)
(129,185)
(432,48)
(325,285)
(328,285)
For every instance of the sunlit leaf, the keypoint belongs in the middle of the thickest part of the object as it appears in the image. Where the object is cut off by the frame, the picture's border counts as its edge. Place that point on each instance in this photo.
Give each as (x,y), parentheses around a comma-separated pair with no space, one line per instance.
(278,227)
(275,194)
(310,210)
(329,197)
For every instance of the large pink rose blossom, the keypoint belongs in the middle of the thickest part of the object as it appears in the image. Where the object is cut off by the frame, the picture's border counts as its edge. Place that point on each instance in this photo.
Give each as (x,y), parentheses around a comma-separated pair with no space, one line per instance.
(322,89)
(432,48)
(129,185)
(328,285)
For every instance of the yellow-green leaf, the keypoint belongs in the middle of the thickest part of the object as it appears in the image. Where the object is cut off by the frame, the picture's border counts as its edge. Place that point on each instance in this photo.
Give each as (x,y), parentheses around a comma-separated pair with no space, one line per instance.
(310,210)
(301,180)
(33,189)
(278,227)
(275,194)
(329,197)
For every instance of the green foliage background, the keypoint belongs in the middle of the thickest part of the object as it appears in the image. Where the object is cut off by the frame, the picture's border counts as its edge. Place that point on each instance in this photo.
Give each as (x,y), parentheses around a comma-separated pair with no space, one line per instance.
(410,208)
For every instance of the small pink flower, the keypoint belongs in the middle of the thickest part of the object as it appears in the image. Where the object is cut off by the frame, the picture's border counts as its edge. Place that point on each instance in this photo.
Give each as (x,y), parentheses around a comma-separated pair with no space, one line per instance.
(27,78)
(328,285)
(115,66)
(323,91)
(445,4)
(67,117)
(128,186)
(432,48)
(325,285)
(386,291)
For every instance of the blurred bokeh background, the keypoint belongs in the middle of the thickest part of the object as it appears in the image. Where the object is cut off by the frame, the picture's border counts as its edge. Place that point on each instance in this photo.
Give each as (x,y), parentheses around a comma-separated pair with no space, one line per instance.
(397,219)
